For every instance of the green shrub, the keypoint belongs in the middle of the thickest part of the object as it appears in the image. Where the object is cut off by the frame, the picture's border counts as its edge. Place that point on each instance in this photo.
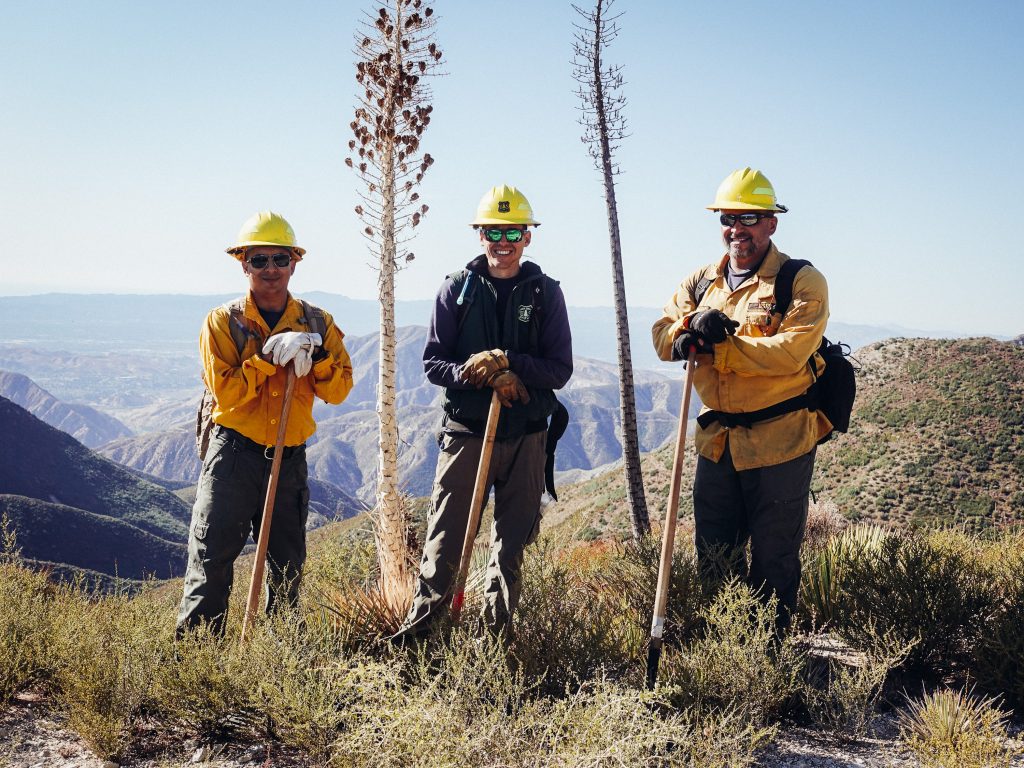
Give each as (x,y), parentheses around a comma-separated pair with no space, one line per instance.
(930,590)
(998,659)
(953,729)
(571,625)
(206,683)
(466,704)
(302,679)
(738,664)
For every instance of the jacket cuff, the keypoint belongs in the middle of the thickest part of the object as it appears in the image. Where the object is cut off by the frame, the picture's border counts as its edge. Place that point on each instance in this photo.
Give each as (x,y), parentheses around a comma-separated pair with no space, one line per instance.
(721,356)
(261,365)
(322,367)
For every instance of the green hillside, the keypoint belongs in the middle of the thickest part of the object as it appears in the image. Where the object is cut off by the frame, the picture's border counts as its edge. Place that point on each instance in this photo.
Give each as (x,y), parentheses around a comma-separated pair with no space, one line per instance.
(937,435)
(40,462)
(60,534)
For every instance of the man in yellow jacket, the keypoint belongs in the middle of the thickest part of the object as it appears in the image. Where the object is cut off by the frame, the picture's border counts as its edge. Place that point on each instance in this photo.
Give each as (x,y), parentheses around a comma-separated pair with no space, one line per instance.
(754,463)
(245,348)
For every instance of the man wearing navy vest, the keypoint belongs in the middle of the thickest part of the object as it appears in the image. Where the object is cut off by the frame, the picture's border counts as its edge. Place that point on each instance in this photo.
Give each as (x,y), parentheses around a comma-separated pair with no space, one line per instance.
(499,325)
(757,434)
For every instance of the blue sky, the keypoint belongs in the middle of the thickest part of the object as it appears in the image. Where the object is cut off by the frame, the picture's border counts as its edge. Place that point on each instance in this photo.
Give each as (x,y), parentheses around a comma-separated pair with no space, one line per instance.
(137,137)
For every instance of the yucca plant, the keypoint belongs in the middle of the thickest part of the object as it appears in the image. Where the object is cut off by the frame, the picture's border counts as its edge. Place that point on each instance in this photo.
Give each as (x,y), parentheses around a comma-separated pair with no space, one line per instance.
(826,567)
(956,729)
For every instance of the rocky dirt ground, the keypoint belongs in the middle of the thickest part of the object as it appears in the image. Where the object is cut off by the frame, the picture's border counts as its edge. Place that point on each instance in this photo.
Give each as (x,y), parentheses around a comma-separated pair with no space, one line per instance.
(35,737)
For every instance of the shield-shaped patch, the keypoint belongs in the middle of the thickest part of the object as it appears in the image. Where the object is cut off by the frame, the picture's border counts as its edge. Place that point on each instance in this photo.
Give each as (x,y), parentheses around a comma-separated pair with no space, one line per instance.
(525,310)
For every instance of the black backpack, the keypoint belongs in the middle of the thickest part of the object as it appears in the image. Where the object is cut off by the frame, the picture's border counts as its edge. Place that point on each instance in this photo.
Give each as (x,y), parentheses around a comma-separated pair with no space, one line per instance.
(240,334)
(833,392)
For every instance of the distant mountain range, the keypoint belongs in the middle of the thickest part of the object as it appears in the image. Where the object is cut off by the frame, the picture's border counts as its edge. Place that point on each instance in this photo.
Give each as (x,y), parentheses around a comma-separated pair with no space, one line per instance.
(168,324)
(343,452)
(87,425)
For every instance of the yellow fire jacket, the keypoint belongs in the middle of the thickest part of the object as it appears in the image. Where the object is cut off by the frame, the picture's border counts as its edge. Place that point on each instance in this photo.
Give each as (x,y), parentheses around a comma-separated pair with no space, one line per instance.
(763,364)
(249,391)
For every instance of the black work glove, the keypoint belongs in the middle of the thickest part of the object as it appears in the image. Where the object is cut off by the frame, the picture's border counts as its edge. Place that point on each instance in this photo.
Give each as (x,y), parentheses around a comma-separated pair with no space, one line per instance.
(714,325)
(686,341)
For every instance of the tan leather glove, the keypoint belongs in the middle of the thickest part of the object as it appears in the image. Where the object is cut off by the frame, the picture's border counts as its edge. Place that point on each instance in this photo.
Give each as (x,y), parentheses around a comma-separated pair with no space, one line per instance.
(509,389)
(483,366)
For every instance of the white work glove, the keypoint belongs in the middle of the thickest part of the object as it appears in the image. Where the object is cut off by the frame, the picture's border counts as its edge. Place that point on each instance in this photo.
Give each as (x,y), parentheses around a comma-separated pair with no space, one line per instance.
(293,347)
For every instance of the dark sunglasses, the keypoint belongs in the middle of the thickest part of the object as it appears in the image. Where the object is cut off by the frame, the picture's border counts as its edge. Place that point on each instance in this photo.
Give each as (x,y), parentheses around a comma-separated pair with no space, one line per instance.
(261,260)
(510,235)
(746,219)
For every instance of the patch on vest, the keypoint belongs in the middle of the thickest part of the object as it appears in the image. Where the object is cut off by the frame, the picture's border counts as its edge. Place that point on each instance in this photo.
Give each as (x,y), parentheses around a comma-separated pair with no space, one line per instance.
(525,310)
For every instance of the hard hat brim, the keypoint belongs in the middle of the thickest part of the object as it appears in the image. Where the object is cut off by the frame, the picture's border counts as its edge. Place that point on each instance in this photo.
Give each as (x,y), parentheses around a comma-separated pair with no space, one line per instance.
(737,206)
(485,222)
(234,250)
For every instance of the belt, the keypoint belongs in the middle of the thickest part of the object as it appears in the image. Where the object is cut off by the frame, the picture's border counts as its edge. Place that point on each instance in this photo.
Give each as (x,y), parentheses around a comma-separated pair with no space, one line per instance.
(240,441)
(807,400)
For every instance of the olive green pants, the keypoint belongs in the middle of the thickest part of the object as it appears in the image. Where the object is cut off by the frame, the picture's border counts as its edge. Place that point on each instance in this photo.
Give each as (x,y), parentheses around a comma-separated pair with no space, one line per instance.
(229,507)
(516,474)
(766,507)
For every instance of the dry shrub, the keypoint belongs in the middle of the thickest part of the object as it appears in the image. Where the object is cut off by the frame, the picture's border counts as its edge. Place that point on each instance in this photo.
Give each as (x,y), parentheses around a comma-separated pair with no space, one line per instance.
(469,704)
(739,664)
(841,691)
(106,651)
(25,628)
(954,729)
(824,522)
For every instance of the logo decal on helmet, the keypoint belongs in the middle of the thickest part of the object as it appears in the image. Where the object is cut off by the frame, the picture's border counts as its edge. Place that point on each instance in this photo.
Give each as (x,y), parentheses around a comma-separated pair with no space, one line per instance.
(504,206)
(525,310)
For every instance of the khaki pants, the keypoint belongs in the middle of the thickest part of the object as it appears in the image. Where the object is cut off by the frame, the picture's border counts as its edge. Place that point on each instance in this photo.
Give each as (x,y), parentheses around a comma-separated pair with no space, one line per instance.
(766,507)
(517,477)
(229,506)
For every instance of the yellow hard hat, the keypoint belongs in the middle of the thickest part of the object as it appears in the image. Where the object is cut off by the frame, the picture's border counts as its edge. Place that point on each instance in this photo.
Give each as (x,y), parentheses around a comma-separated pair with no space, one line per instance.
(266,228)
(746,190)
(504,205)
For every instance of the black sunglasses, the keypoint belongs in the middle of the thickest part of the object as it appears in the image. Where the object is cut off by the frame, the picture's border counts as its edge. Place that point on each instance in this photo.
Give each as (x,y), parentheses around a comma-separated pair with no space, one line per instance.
(746,219)
(510,235)
(261,260)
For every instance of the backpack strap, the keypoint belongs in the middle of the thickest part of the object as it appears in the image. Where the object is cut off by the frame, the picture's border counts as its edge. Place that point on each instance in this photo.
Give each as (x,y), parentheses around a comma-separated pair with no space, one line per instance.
(240,332)
(314,318)
(784,283)
(700,290)
(465,295)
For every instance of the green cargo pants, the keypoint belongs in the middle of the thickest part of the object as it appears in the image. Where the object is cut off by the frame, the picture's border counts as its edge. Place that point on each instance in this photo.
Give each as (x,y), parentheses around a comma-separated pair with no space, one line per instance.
(229,506)
(766,507)
(517,476)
